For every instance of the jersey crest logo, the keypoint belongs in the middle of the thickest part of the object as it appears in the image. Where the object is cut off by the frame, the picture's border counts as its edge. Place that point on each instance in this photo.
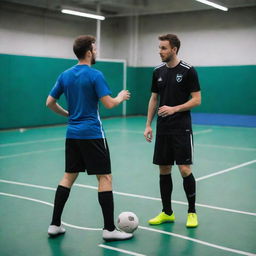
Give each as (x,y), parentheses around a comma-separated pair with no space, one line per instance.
(179,78)
(160,79)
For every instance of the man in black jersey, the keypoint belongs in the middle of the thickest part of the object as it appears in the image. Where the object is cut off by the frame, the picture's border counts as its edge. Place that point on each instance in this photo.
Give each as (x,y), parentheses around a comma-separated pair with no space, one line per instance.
(175,84)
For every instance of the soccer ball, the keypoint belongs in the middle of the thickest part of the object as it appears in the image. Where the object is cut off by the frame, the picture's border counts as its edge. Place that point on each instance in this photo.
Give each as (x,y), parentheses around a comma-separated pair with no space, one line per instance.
(127,222)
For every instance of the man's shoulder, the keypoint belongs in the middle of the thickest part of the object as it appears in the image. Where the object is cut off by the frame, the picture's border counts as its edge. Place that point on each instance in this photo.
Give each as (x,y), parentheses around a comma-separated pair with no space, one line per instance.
(187,68)
(88,70)
(67,72)
(95,71)
(161,66)
(186,65)
(69,69)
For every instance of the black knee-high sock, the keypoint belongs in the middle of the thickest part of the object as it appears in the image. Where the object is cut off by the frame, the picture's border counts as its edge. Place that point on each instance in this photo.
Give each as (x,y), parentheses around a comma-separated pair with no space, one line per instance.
(107,205)
(61,197)
(189,184)
(166,192)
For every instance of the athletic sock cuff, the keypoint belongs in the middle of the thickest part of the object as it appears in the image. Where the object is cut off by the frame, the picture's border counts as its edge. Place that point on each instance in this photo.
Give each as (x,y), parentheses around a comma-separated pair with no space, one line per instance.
(162,176)
(105,192)
(189,176)
(64,188)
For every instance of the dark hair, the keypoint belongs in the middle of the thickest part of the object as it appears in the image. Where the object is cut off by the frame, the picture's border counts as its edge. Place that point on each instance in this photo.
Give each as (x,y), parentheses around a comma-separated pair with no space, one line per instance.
(173,40)
(82,44)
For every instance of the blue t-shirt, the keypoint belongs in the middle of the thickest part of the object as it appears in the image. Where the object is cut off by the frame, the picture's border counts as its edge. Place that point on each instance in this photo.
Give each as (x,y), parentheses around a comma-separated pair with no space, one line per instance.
(83,86)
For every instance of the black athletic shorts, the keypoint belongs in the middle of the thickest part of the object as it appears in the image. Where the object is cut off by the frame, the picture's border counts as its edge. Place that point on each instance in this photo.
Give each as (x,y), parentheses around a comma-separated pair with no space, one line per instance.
(91,155)
(174,148)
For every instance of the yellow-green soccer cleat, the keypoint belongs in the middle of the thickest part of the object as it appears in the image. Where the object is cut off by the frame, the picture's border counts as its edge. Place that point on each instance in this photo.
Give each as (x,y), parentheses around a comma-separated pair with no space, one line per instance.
(162,218)
(192,220)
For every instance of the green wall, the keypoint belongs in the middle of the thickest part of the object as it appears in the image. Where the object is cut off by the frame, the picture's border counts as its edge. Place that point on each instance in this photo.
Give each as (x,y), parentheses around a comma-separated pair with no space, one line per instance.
(113,72)
(228,90)
(139,84)
(25,82)
(225,89)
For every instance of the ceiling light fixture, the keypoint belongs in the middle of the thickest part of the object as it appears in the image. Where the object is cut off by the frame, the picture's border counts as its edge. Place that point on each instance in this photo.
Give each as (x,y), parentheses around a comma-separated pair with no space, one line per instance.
(223,8)
(83,14)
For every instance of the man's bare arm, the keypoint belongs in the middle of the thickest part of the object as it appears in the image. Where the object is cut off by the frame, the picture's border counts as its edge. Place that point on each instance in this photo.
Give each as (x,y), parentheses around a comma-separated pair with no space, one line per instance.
(54,106)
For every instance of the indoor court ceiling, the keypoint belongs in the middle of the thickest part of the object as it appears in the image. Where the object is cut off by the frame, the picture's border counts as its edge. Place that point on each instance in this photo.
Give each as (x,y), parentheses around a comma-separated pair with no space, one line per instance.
(115,8)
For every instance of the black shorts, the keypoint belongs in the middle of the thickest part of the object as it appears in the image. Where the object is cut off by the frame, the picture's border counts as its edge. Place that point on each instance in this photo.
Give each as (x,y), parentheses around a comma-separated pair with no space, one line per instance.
(91,155)
(173,148)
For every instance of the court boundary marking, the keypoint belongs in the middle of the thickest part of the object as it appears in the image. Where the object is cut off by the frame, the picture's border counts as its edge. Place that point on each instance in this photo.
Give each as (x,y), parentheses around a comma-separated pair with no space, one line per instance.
(63,138)
(31,153)
(226,170)
(111,130)
(62,148)
(141,227)
(224,147)
(138,196)
(130,195)
(199,241)
(120,250)
(48,126)
(29,142)
(49,204)
(173,201)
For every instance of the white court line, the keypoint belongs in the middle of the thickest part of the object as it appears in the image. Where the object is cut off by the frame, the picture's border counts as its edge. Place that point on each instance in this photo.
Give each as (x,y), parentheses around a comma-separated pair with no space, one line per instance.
(31,153)
(120,250)
(57,139)
(203,131)
(50,204)
(142,131)
(140,227)
(26,198)
(126,131)
(220,208)
(221,127)
(132,195)
(63,138)
(62,148)
(198,241)
(226,170)
(30,142)
(79,227)
(225,147)
(26,184)
(173,201)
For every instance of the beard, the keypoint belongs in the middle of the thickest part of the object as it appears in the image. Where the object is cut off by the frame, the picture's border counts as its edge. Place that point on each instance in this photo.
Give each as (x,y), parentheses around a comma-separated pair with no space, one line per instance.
(93,61)
(168,58)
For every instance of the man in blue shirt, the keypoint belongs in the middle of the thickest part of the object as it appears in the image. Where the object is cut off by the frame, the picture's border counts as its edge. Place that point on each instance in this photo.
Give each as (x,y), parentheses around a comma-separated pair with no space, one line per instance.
(86,146)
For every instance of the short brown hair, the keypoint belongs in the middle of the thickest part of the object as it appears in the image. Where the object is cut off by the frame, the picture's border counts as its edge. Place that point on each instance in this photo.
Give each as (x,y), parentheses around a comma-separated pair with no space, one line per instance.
(82,44)
(173,40)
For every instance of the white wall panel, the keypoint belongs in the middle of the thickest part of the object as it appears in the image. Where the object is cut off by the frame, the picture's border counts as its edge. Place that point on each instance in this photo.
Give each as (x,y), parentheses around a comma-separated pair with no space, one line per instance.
(209,38)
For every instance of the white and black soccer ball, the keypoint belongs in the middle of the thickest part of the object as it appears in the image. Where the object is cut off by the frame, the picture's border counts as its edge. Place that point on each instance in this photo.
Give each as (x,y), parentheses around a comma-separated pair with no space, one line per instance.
(127,222)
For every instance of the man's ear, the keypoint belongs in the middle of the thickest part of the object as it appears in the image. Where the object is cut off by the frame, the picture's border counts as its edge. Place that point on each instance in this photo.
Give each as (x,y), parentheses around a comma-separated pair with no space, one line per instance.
(88,54)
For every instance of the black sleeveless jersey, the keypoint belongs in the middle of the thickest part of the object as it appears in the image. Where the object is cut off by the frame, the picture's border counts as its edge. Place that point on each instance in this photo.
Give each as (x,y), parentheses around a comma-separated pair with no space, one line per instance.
(174,86)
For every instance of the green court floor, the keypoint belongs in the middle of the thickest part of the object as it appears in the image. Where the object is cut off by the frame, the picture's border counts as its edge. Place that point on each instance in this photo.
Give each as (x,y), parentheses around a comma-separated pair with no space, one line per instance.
(32,163)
